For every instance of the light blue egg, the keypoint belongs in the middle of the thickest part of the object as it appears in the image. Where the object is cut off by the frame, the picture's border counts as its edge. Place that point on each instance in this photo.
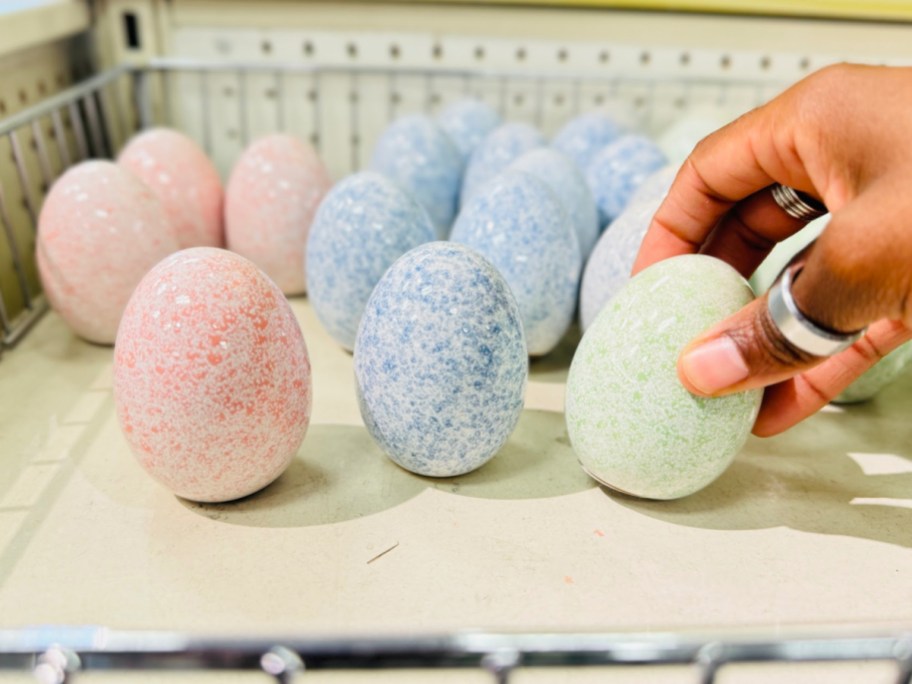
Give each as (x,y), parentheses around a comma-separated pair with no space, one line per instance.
(440,361)
(500,148)
(656,186)
(609,266)
(583,137)
(618,170)
(364,223)
(521,227)
(416,153)
(467,122)
(569,184)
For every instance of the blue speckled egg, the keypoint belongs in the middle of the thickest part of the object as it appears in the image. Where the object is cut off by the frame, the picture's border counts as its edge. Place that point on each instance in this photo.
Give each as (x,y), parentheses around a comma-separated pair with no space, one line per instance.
(500,148)
(618,170)
(521,227)
(583,137)
(633,425)
(467,122)
(611,262)
(440,361)
(416,153)
(361,227)
(569,184)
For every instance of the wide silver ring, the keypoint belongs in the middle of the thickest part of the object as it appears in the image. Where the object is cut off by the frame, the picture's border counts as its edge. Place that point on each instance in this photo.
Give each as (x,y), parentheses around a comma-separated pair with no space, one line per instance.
(797,328)
(797,204)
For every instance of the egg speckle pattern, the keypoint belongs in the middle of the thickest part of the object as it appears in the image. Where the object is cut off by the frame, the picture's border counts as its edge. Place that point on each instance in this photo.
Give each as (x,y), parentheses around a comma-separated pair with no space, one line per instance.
(654,189)
(583,137)
(212,379)
(609,267)
(560,174)
(363,225)
(99,232)
(416,153)
(500,148)
(521,227)
(618,170)
(467,122)
(633,425)
(184,180)
(272,194)
(440,361)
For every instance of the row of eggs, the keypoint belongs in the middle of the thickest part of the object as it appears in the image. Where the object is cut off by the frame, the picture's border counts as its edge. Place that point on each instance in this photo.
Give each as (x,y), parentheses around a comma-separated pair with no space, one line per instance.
(441,358)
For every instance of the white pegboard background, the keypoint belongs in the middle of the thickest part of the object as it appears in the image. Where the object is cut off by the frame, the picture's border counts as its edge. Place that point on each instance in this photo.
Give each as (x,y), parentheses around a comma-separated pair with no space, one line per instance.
(543,82)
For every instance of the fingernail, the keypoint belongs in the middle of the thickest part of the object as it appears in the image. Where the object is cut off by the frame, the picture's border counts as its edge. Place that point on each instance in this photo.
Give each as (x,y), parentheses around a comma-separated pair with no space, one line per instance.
(715,365)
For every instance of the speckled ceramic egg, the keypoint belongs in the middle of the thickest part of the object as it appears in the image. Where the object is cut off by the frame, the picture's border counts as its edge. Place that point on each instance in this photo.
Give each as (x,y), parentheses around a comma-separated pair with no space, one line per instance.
(211,376)
(520,226)
(271,197)
(416,153)
(184,180)
(618,170)
(440,361)
(878,377)
(500,148)
(679,139)
(363,225)
(563,177)
(656,186)
(583,137)
(632,424)
(467,122)
(609,267)
(100,230)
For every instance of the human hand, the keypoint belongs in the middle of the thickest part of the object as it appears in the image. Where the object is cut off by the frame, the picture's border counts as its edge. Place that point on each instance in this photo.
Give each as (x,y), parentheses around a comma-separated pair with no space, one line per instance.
(840,135)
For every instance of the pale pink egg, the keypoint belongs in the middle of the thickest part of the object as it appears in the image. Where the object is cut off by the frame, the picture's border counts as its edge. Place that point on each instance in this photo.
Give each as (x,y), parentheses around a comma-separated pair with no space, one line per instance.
(272,194)
(212,380)
(99,232)
(182,177)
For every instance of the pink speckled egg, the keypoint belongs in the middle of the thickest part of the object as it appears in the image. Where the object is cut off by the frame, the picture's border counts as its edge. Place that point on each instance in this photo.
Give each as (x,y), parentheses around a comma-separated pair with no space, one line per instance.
(183,178)
(270,201)
(99,232)
(212,380)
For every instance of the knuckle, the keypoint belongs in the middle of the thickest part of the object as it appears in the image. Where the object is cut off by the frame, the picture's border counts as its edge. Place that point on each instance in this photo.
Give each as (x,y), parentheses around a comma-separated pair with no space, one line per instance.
(767,351)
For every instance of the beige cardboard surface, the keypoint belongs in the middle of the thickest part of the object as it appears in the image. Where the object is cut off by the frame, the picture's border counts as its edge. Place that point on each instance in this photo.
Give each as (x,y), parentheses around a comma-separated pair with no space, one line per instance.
(810,528)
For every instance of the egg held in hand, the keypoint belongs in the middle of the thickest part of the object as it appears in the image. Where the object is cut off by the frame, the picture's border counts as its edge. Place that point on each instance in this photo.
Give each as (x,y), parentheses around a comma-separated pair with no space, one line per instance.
(99,232)
(212,381)
(184,180)
(440,361)
(272,194)
(633,425)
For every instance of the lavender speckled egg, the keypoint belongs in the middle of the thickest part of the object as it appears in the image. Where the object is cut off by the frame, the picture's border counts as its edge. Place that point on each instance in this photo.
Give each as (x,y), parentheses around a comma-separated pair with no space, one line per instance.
(440,361)
(611,262)
(520,225)
(500,148)
(416,153)
(583,137)
(883,373)
(467,122)
(618,170)
(560,174)
(362,226)
(631,422)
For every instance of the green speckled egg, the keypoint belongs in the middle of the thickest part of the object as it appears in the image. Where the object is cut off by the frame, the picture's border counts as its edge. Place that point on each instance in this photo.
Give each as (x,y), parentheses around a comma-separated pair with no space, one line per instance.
(632,424)
(877,377)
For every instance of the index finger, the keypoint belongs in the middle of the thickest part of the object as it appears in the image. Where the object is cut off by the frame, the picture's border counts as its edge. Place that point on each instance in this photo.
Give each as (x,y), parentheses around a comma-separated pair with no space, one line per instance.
(725,167)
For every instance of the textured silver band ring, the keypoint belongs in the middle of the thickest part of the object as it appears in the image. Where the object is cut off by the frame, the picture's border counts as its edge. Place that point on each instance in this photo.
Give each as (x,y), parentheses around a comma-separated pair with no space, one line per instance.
(799,330)
(797,204)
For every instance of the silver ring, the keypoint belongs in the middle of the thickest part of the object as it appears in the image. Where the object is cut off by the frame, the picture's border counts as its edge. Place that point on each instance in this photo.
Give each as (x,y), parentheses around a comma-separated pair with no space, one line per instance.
(797,204)
(799,330)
